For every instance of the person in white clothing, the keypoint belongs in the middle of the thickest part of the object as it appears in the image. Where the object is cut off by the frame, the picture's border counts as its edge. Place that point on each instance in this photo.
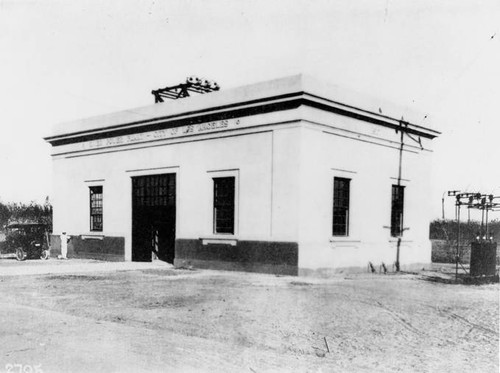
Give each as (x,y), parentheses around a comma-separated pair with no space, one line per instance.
(64,245)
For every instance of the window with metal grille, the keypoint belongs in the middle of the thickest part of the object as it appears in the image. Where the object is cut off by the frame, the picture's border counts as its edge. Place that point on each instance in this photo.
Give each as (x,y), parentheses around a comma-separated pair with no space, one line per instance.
(397,208)
(153,190)
(96,208)
(224,204)
(341,192)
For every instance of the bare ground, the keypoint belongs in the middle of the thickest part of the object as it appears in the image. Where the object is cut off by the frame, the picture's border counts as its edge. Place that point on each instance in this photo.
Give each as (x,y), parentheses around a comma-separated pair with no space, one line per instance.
(158,319)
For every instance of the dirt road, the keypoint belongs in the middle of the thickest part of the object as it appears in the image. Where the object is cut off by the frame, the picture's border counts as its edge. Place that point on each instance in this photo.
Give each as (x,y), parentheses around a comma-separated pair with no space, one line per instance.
(160,319)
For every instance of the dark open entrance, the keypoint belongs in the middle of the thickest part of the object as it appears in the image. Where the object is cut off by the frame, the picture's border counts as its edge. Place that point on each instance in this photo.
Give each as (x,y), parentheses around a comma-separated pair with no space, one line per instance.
(153,218)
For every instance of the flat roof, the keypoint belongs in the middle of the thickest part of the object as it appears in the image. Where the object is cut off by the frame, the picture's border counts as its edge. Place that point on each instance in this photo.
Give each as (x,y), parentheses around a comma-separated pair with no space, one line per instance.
(291,86)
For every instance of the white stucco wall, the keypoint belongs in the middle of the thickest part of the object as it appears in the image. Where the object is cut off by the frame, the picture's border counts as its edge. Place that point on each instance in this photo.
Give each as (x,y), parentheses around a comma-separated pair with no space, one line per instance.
(285,183)
(284,151)
(372,167)
(264,163)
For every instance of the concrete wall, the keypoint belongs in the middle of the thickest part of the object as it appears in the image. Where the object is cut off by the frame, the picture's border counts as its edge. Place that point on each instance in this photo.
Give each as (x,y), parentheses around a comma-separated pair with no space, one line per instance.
(104,248)
(264,163)
(369,157)
(252,256)
(284,163)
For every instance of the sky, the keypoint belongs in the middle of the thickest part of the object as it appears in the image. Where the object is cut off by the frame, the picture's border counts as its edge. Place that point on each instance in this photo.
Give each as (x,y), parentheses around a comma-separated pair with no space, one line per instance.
(65,60)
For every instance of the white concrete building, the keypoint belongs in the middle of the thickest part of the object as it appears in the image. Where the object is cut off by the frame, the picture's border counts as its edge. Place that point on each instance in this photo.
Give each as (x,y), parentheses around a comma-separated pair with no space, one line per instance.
(288,176)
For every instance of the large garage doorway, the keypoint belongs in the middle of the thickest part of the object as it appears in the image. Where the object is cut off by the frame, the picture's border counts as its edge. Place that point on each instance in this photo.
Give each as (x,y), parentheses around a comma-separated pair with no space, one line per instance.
(153,218)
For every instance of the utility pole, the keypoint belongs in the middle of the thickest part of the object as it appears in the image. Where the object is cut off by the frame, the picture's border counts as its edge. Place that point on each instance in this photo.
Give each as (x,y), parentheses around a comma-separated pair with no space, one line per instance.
(458,237)
(403,128)
(400,166)
(442,204)
(479,201)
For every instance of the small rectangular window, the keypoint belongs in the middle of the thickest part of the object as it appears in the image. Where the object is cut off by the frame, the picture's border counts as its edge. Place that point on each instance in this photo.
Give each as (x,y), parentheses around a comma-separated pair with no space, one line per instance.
(397,209)
(96,209)
(224,203)
(341,195)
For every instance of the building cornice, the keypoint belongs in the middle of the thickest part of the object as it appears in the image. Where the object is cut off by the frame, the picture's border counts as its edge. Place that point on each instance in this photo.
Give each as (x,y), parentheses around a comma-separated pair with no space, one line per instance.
(262,98)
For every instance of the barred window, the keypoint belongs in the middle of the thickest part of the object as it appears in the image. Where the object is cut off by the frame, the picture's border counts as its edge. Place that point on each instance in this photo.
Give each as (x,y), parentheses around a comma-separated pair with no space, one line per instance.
(224,204)
(397,208)
(341,195)
(96,208)
(154,190)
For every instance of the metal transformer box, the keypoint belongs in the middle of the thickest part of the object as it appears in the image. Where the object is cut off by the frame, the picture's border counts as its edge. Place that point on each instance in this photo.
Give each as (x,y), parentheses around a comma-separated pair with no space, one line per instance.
(483,257)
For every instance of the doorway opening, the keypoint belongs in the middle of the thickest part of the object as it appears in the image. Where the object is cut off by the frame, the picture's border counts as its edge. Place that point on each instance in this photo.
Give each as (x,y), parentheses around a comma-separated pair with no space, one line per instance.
(153,217)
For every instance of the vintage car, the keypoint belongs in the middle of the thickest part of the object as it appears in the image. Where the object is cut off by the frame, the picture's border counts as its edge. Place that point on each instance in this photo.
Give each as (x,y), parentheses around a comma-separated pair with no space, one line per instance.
(26,241)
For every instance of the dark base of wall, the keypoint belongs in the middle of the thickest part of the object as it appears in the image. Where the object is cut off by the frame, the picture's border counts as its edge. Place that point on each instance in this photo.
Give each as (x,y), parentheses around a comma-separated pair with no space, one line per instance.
(107,248)
(232,266)
(251,256)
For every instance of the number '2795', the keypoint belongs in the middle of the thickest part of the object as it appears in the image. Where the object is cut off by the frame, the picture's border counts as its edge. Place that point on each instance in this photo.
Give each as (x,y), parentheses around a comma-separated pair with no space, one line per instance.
(23,368)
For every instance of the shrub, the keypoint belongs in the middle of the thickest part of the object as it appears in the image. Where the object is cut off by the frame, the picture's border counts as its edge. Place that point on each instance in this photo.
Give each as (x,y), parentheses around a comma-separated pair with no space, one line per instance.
(24,213)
